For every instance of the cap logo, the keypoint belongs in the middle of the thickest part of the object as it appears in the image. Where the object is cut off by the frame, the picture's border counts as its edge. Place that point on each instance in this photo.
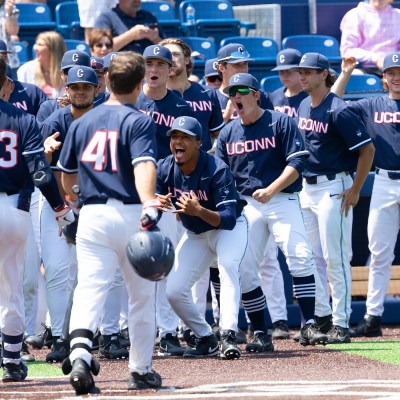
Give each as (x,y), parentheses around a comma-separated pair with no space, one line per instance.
(236,78)
(156,50)
(395,58)
(282,58)
(303,59)
(215,65)
(113,56)
(181,122)
(79,73)
(241,49)
(75,57)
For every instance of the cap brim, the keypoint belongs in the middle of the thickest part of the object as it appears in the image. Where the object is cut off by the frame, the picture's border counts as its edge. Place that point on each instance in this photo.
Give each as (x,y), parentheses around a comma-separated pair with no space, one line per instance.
(226,90)
(211,74)
(284,67)
(317,68)
(171,131)
(391,66)
(236,60)
(6,52)
(159,58)
(90,83)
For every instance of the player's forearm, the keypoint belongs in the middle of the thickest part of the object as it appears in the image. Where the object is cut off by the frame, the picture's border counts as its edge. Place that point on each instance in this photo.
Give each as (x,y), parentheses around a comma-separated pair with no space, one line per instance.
(145,180)
(365,159)
(211,217)
(68,181)
(122,40)
(287,177)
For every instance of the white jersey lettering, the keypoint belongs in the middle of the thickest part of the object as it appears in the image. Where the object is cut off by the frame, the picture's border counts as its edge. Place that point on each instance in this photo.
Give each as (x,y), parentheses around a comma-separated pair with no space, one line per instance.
(386,117)
(291,111)
(250,146)
(201,105)
(309,124)
(178,193)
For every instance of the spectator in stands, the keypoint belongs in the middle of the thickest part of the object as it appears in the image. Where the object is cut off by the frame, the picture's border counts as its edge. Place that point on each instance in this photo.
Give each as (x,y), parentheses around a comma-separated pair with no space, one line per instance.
(211,74)
(132,28)
(44,70)
(100,42)
(9,29)
(370,31)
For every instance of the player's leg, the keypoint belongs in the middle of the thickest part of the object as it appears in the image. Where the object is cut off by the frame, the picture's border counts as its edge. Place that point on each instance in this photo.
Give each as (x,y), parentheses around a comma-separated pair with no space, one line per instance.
(383,226)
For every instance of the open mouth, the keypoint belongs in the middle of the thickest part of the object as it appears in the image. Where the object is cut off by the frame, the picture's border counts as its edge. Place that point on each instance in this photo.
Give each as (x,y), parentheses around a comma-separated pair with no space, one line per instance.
(154,78)
(179,152)
(239,106)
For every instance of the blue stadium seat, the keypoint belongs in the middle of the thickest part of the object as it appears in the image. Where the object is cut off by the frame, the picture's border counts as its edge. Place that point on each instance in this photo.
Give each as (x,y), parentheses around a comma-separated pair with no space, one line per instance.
(326,45)
(21,49)
(73,44)
(214,19)
(262,49)
(165,14)
(270,83)
(53,4)
(68,21)
(360,86)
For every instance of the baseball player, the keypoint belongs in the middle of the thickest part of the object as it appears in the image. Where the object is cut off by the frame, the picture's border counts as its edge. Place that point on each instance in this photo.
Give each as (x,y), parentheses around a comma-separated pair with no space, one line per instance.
(21,159)
(381,116)
(338,145)
(266,154)
(111,153)
(97,63)
(211,75)
(202,190)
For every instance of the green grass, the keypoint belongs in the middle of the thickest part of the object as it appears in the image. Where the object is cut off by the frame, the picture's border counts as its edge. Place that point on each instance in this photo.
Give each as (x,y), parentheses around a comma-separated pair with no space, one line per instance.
(384,351)
(41,368)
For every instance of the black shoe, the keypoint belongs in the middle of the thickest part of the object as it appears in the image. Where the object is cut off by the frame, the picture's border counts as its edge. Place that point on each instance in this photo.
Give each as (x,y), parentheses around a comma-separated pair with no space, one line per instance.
(324,323)
(123,338)
(206,346)
(44,338)
(25,354)
(151,380)
(338,335)
(228,347)
(370,326)
(170,346)
(81,379)
(259,343)
(241,337)
(250,332)
(311,335)
(59,351)
(280,330)
(189,338)
(14,372)
(110,348)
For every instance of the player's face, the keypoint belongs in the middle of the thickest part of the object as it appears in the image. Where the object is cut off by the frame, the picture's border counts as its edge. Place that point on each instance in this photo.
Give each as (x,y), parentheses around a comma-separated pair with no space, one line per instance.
(157,72)
(102,81)
(102,48)
(185,149)
(392,79)
(41,50)
(214,81)
(229,70)
(179,61)
(289,78)
(82,95)
(310,79)
(244,100)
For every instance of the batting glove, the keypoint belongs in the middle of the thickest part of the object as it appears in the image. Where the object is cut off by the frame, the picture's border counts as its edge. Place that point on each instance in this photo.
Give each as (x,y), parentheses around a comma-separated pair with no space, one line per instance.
(72,204)
(64,216)
(150,214)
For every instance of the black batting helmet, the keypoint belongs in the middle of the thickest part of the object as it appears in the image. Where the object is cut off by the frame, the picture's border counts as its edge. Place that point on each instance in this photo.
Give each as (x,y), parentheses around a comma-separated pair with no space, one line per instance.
(151,254)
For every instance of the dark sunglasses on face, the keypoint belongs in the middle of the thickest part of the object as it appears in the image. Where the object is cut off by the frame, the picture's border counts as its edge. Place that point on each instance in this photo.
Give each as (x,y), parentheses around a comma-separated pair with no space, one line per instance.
(241,90)
(214,78)
(100,45)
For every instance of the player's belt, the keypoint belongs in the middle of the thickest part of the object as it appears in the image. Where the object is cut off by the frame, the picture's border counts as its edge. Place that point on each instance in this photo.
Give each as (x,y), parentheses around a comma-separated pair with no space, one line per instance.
(100,200)
(313,180)
(394,175)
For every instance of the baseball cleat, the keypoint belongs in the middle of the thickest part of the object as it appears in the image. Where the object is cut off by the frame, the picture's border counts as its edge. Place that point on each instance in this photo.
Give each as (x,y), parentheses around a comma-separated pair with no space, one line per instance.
(311,335)
(206,346)
(280,330)
(338,335)
(260,342)
(170,346)
(59,351)
(14,372)
(81,379)
(370,326)
(228,347)
(151,380)
(110,348)
(44,338)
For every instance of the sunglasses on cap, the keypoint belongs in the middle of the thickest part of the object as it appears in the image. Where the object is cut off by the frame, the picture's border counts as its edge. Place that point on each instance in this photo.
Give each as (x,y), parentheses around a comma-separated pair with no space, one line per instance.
(96,65)
(100,45)
(214,78)
(237,54)
(244,90)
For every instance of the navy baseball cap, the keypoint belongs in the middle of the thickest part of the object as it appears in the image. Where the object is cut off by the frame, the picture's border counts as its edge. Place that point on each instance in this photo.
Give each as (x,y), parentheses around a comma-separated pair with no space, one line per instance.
(287,59)
(9,73)
(109,57)
(156,51)
(314,61)
(3,47)
(82,74)
(242,79)
(233,53)
(97,63)
(210,69)
(188,125)
(391,60)
(75,57)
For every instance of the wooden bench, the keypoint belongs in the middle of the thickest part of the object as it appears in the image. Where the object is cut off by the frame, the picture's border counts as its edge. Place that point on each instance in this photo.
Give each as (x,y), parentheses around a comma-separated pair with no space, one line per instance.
(360,281)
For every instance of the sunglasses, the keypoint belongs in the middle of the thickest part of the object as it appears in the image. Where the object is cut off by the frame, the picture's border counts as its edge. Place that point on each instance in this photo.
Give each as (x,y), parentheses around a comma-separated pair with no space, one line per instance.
(96,65)
(241,90)
(100,45)
(214,78)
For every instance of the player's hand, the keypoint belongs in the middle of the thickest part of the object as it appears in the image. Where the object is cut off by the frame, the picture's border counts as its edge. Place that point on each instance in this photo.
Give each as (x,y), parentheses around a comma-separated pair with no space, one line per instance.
(150,214)
(64,216)
(262,195)
(348,65)
(63,101)
(189,205)
(139,32)
(350,199)
(73,204)
(51,144)
(166,202)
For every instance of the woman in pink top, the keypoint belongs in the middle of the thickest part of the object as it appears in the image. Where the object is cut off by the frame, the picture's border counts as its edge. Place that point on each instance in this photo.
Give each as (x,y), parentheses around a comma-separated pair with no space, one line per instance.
(369,32)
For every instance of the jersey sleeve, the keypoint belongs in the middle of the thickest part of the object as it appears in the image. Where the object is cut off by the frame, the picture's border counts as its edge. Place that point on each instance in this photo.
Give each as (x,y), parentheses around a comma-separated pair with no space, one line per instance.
(162,173)
(216,122)
(220,151)
(31,139)
(67,161)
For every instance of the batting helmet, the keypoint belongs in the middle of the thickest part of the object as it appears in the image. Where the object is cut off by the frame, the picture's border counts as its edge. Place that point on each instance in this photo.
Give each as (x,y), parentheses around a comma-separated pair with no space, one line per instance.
(151,254)
(69,231)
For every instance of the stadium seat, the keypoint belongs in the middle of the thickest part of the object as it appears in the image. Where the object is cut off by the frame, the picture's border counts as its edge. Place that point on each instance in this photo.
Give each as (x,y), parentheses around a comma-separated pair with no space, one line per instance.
(270,83)
(53,4)
(68,21)
(360,86)
(262,49)
(21,49)
(73,44)
(326,45)
(214,19)
(165,13)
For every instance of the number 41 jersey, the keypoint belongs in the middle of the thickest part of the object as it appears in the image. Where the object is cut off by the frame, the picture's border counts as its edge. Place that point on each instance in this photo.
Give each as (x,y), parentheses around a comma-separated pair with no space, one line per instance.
(103,146)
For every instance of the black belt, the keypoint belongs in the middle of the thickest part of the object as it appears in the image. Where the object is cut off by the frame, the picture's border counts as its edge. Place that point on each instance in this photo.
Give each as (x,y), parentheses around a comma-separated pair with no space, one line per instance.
(100,200)
(12,192)
(313,180)
(394,175)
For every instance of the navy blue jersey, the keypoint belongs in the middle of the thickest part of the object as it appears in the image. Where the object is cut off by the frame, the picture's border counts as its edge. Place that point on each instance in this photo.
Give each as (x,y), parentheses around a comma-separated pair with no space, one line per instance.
(59,121)
(19,136)
(27,97)
(119,22)
(258,153)
(381,116)
(333,134)
(103,146)
(284,104)
(163,112)
(46,109)
(265,102)
(205,105)
(101,98)
(212,181)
